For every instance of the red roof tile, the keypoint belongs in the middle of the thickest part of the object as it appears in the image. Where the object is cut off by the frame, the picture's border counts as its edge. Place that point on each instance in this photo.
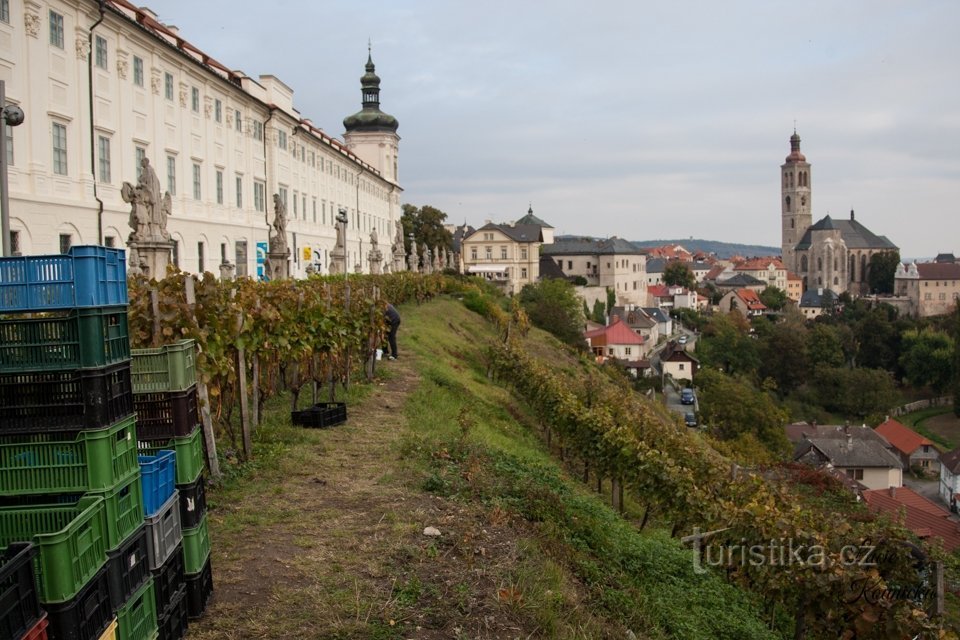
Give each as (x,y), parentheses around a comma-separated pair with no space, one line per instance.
(939,270)
(751,299)
(616,333)
(903,438)
(927,521)
(759,264)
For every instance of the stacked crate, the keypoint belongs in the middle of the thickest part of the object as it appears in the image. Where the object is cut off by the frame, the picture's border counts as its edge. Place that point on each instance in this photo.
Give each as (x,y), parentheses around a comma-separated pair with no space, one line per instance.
(165,395)
(69,474)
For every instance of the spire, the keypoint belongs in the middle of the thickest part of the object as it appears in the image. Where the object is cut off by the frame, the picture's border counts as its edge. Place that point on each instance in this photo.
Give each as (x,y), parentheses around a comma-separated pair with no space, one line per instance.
(370,118)
(530,210)
(795,154)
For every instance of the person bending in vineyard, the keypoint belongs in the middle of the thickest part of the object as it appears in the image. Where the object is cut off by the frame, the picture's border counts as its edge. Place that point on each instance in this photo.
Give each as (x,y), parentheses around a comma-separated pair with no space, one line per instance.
(393,322)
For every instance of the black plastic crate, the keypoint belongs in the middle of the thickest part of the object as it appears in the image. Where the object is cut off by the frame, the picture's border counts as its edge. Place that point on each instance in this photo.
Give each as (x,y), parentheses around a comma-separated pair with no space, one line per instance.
(167,414)
(64,401)
(19,605)
(199,590)
(128,567)
(322,414)
(172,623)
(168,579)
(193,503)
(85,616)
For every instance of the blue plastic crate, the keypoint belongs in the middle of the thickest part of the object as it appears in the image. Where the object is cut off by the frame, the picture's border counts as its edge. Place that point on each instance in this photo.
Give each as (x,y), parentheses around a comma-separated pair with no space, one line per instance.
(157,480)
(87,276)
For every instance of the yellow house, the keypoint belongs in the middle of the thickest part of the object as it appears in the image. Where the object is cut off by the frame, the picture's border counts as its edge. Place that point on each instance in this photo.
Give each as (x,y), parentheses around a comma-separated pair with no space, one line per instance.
(508,255)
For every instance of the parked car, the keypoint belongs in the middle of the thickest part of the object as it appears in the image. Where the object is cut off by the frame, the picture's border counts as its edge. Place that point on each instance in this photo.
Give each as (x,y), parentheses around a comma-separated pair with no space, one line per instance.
(686,396)
(682,339)
(690,419)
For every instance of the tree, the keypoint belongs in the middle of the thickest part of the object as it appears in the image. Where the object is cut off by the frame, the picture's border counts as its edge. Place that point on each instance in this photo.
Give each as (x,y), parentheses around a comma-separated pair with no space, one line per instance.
(678,274)
(784,358)
(774,298)
(927,358)
(725,343)
(599,313)
(611,298)
(825,345)
(426,225)
(854,392)
(878,339)
(553,306)
(880,272)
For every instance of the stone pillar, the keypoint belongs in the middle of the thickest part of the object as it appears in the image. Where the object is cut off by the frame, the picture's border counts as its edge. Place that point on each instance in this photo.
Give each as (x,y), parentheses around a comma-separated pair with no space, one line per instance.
(277,265)
(151,257)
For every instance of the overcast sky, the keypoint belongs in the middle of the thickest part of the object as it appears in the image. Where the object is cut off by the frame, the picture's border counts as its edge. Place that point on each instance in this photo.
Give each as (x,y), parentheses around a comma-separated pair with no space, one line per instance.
(639,119)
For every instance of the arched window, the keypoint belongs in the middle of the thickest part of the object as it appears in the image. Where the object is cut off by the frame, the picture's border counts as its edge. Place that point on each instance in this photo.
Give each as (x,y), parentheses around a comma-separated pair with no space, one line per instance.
(836,280)
(836,264)
(853,268)
(793,223)
(784,179)
(788,203)
(805,285)
(819,264)
(803,263)
(803,201)
(819,282)
(863,268)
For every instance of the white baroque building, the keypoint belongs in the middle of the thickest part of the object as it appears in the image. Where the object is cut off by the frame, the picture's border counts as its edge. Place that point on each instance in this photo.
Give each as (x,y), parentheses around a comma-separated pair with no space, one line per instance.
(103,91)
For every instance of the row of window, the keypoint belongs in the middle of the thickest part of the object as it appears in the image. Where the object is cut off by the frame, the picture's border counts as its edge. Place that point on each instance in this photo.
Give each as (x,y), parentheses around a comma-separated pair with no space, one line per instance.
(936,283)
(942,296)
(488,253)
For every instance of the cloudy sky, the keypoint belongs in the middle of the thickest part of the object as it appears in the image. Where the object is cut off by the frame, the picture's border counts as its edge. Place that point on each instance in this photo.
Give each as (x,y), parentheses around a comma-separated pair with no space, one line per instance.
(639,119)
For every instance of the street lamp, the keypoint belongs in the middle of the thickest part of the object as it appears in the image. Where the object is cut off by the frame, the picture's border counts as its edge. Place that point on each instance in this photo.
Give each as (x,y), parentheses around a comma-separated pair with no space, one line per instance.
(11,115)
(342,221)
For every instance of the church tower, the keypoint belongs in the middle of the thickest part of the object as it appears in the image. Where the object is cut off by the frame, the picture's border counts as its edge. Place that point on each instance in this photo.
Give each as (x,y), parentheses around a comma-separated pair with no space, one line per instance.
(794,202)
(371,133)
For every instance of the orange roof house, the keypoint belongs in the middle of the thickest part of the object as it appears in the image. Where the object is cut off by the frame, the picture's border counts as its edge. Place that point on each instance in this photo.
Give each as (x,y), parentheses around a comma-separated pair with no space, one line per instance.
(616,340)
(912,448)
(746,301)
(924,518)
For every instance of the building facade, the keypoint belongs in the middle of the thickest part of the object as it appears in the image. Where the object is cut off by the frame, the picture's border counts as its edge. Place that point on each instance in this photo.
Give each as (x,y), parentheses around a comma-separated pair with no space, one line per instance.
(933,288)
(507,255)
(833,254)
(612,263)
(102,92)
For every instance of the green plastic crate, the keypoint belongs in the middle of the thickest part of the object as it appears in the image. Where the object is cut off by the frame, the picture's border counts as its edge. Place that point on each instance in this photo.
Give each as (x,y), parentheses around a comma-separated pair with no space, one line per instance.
(168,368)
(49,463)
(71,539)
(85,338)
(196,547)
(190,461)
(137,618)
(123,506)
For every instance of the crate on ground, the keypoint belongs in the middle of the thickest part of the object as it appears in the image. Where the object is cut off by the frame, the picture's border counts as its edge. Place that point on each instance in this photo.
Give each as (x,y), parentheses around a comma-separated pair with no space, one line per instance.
(19,604)
(123,507)
(128,567)
(157,475)
(80,339)
(322,414)
(168,579)
(193,502)
(87,615)
(71,540)
(166,414)
(87,276)
(189,449)
(111,631)
(38,631)
(137,618)
(199,590)
(163,532)
(171,367)
(64,400)
(173,620)
(196,547)
(71,462)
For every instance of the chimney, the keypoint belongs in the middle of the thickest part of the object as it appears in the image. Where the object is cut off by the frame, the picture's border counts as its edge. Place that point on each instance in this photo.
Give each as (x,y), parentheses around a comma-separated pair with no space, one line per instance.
(819,291)
(892,491)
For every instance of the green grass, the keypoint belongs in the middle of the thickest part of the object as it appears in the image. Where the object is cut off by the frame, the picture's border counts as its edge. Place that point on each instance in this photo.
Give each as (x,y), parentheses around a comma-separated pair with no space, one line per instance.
(915,420)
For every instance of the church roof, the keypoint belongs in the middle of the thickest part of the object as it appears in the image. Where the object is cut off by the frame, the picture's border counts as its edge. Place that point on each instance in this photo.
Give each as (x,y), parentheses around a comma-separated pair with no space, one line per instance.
(370,117)
(854,234)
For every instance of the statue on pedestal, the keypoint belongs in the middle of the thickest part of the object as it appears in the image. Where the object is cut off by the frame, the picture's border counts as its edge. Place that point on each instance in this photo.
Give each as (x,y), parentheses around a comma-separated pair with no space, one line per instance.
(412,257)
(277,234)
(149,209)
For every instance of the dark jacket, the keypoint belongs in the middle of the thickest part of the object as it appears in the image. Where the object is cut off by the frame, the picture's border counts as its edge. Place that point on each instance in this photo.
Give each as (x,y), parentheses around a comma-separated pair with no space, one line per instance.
(391,314)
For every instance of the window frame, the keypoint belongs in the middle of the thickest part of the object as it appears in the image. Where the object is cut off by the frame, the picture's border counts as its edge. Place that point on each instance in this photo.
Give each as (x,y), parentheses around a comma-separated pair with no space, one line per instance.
(101,58)
(57,32)
(137,71)
(103,158)
(60,158)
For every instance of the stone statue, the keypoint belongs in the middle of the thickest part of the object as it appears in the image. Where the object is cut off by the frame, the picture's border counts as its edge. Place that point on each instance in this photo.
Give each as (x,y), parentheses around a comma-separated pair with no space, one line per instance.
(149,209)
(373,241)
(412,257)
(277,240)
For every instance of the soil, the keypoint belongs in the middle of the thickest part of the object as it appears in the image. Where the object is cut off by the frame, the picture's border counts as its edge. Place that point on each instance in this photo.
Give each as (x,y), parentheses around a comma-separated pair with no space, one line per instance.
(334,546)
(946,425)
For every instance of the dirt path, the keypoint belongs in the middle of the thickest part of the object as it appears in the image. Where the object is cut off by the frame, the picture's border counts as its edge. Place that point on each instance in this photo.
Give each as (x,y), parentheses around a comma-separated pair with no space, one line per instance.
(333,545)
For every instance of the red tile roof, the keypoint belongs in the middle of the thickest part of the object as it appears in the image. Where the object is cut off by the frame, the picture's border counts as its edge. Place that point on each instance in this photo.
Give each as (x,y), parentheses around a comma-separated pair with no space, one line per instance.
(793,277)
(659,290)
(903,438)
(617,332)
(939,270)
(759,264)
(922,516)
(751,299)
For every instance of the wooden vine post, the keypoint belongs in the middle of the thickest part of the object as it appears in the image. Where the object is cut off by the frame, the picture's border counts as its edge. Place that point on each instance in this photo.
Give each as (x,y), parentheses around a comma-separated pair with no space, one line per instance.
(206,421)
(255,374)
(242,380)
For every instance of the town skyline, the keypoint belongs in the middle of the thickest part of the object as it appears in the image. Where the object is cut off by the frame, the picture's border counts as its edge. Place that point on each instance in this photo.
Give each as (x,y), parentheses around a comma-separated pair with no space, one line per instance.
(640,122)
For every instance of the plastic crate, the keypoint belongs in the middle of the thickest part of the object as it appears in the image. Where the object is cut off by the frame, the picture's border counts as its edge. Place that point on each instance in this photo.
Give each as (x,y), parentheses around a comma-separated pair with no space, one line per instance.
(166,414)
(171,367)
(128,567)
(71,539)
(163,532)
(156,479)
(123,506)
(64,400)
(137,618)
(84,338)
(87,276)
(111,632)
(193,503)
(87,615)
(190,461)
(199,590)
(71,462)
(38,631)
(196,547)
(19,606)
(322,414)
(173,621)
(168,579)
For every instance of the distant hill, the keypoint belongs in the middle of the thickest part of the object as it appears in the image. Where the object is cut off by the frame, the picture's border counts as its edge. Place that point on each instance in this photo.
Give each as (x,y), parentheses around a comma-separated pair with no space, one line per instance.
(722,249)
